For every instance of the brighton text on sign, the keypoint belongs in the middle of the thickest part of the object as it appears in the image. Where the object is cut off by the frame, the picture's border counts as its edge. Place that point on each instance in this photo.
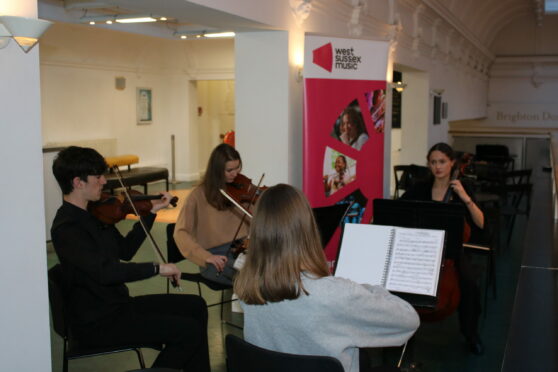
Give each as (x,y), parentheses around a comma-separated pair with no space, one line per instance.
(523,116)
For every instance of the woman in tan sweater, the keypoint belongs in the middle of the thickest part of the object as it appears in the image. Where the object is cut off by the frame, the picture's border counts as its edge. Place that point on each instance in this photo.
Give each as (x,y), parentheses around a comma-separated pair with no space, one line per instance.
(208,221)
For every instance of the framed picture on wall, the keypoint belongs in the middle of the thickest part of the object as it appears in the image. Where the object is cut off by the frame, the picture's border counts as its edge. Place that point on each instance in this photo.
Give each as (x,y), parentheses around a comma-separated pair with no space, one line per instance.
(437,110)
(444,110)
(144,105)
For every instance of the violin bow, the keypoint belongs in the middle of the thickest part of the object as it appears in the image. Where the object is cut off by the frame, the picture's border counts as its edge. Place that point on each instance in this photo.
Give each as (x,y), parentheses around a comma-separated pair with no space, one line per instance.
(231,199)
(154,245)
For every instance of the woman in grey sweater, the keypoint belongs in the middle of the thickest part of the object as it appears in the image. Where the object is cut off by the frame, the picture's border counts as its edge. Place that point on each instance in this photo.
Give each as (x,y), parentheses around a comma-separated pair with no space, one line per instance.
(292,304)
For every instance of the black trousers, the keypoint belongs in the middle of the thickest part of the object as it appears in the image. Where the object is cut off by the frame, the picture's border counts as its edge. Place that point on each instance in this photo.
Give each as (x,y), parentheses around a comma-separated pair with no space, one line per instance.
(470,304)
(177,321)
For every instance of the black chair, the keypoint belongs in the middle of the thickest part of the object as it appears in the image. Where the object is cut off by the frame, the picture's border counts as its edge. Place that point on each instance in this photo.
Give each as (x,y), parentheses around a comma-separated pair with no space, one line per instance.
(497,154)
(517,199)
(518,177)
(406,176)
(174,256)
(73,348)
(245,357)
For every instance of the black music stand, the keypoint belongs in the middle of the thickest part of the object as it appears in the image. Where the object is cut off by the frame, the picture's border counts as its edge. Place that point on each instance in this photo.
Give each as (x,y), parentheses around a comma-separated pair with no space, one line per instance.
(449,217)
(329,218)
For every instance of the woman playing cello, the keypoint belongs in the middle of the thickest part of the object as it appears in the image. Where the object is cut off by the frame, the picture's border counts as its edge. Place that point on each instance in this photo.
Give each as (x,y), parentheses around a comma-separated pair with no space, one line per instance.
(441,161)
(208,221)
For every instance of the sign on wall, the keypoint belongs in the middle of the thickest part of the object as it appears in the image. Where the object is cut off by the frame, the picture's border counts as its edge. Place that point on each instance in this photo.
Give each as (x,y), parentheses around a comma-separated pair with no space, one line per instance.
(522,114)
(344,103)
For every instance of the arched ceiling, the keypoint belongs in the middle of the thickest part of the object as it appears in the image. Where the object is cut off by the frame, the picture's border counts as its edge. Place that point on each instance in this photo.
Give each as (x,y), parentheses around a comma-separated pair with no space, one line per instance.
(480,21)
(484,19)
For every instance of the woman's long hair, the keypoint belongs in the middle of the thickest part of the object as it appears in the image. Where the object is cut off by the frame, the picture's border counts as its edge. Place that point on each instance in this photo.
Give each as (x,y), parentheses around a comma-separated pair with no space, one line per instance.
(284,242)
(214,178)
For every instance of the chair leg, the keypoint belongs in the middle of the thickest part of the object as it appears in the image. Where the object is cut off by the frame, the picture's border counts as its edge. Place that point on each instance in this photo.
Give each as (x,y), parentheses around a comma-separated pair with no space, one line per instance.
(222,303)
(140,358)
(65,361)
(510,228)
(493,273)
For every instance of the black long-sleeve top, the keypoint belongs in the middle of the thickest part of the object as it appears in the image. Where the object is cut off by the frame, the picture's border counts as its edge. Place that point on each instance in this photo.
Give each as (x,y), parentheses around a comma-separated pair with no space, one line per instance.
(423,191)
(90,254)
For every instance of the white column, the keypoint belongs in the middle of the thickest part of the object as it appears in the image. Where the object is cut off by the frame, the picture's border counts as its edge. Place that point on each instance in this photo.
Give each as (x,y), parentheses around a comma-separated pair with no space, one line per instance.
(24,319)
(269,105)
(415,119)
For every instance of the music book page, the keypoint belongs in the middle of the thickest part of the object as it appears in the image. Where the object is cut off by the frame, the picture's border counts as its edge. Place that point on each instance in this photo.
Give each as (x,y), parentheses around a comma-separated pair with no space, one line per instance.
(362,256)
(399,259)
(415,261)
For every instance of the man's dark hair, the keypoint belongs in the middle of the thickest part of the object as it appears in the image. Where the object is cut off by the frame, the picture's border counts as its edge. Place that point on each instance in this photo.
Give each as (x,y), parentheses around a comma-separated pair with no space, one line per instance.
(79,162)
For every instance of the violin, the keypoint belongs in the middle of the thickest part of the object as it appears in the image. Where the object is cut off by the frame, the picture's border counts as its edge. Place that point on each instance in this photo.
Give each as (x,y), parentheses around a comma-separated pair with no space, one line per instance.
(239,191)
(127,193)
(110,209)
(243,190)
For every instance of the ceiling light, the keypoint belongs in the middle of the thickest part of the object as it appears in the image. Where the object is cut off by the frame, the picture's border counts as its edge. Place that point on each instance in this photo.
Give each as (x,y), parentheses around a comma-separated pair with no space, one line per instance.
(110,19)
(398,86)
(25,31)
(220,34)
(199,34)
(136,20)
(163,19)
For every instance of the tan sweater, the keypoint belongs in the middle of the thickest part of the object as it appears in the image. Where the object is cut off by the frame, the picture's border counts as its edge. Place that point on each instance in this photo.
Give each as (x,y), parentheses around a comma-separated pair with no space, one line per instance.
(200,227)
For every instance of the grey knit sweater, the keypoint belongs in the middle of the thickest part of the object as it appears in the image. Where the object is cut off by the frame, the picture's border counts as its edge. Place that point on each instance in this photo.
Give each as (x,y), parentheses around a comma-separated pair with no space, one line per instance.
(335,319)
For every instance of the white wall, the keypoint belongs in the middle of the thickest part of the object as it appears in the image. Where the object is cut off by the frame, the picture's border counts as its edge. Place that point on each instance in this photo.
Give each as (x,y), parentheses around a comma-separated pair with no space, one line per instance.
(79,65)
(24,319)
(415,118)
(523,90)
(263,104)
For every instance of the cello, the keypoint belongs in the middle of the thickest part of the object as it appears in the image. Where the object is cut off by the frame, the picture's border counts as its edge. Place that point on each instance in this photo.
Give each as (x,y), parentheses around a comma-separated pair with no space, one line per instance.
(449,294)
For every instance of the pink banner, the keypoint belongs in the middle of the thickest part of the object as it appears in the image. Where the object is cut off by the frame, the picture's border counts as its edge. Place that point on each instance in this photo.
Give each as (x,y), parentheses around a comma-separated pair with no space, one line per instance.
(343,131)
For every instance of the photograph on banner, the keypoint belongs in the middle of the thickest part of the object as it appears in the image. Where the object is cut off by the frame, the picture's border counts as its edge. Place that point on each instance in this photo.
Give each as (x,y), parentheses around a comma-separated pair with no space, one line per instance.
(376,107)
(356,212)
(349,127)
(339,171)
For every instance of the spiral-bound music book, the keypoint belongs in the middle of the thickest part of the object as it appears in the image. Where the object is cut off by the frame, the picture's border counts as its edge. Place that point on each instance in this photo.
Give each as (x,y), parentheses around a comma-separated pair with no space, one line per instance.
(405,260)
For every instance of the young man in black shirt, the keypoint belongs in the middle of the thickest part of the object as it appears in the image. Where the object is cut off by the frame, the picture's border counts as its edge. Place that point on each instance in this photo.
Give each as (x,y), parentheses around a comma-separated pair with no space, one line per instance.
(100,308)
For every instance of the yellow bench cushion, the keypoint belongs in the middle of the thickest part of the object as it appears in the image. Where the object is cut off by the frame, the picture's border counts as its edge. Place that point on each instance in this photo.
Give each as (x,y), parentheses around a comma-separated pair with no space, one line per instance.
(121,160)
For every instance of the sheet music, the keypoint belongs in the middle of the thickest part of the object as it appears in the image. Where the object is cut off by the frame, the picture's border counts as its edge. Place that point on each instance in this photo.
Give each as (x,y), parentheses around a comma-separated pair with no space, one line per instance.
(363,253)
(415,261)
